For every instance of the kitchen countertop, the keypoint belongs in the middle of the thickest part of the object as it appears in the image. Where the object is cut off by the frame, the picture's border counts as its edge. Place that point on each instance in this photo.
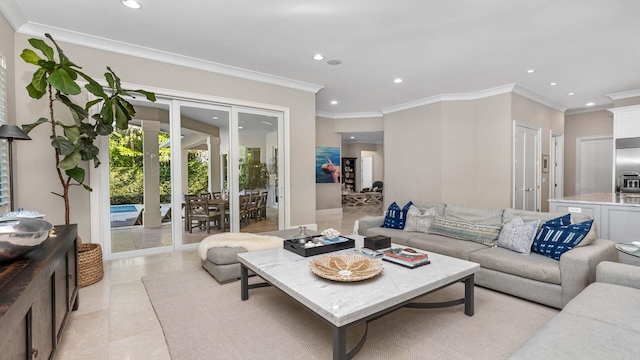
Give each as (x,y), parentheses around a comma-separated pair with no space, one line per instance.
(626,199)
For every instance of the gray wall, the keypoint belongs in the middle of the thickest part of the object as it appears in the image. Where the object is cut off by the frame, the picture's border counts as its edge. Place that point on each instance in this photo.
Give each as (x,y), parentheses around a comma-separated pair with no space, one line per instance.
(413,154)
(459,151)
(597,123)
(36,173)
(328,196)
(627,102)
(534,113)
(7,51)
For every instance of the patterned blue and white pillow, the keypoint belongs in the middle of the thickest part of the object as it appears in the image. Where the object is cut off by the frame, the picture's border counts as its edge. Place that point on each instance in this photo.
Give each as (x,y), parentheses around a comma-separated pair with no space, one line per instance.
(553,241)
(395,217)
(516,235)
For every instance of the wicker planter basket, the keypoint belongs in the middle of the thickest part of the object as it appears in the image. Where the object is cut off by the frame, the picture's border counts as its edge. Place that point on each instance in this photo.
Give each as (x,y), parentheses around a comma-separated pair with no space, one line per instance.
(90,269)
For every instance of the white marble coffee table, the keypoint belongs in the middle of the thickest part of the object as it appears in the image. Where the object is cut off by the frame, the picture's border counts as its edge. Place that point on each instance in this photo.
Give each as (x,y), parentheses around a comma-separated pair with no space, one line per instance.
(343,304)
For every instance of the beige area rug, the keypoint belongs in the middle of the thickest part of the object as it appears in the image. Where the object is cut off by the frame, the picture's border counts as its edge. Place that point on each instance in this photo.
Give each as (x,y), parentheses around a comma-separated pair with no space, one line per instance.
(202,319)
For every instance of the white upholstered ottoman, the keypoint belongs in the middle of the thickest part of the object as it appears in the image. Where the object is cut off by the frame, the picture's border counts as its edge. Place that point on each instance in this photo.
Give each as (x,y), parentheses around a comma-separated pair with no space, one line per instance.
(218,252)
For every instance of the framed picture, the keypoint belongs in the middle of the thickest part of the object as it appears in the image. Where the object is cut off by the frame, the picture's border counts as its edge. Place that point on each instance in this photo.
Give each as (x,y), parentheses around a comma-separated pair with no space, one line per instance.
(327,165)
(545,163)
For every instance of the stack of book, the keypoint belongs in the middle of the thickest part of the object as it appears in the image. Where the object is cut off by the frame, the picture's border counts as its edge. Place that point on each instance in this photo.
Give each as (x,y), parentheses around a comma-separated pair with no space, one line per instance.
(410,259)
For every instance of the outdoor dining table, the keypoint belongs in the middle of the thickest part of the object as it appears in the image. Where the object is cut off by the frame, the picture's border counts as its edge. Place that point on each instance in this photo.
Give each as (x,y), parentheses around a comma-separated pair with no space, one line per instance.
(221,204)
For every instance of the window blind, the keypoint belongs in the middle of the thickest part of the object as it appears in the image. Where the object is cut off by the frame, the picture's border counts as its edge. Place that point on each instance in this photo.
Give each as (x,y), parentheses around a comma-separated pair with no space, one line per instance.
(4,161)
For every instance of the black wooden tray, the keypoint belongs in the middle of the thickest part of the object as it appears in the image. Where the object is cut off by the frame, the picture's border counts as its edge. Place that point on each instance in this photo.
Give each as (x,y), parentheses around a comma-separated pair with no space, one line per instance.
(302,251)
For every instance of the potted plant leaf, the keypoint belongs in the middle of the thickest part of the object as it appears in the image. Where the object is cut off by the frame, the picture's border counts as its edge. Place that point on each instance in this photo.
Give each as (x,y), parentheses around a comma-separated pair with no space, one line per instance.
(58,79)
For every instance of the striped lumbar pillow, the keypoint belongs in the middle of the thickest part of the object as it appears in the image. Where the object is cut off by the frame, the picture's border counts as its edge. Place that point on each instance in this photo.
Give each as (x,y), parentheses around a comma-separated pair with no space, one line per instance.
(480,233)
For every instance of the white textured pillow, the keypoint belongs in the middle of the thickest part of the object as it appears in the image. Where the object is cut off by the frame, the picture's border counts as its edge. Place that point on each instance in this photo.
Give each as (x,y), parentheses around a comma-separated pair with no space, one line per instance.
(518,236)
(419,221)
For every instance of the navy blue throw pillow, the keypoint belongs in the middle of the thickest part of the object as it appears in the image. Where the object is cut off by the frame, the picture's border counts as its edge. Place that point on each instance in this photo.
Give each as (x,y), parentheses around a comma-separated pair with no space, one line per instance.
(553,241)
(395,217)
(561,221)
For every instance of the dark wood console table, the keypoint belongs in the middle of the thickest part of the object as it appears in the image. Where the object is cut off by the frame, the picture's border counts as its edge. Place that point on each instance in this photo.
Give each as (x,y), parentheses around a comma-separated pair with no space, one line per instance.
(37,293)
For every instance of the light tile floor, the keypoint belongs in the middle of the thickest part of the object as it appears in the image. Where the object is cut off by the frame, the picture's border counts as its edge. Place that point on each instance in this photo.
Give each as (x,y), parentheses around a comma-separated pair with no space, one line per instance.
(115,319)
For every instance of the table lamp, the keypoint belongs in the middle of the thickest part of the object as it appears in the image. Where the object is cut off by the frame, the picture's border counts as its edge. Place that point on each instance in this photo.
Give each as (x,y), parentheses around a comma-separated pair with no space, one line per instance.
(12,132)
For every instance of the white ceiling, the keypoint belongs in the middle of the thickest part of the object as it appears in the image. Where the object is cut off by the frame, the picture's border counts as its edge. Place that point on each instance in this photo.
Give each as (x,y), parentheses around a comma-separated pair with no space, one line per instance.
(437,47)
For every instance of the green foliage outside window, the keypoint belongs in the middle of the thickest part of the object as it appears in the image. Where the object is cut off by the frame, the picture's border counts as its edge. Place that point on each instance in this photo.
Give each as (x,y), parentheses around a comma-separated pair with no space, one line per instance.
(127,173)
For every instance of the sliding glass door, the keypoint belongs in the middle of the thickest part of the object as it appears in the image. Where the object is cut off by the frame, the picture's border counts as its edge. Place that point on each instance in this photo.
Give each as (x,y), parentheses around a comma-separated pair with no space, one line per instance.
(184,170)
(204,139)
(256,143)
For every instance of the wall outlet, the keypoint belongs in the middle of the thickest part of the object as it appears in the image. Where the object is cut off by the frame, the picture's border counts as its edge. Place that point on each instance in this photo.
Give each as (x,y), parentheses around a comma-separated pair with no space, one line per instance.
(575,209)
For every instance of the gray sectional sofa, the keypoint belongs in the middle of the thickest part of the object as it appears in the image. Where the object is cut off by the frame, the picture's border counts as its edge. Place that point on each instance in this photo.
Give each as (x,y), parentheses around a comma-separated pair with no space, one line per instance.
(533,277)
(602,322)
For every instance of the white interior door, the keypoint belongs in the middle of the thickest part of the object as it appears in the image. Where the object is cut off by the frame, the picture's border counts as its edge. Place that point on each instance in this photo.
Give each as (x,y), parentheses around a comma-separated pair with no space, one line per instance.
(367,172)
(526,168)
(594,165)
(556,168)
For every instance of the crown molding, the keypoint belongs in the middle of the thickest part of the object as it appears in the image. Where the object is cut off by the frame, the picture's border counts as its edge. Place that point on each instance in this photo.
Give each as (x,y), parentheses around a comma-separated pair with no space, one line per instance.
(95,42)
(624,109)
(514,88)
(13,14)
(522,91)
(584,110)
(624,95)
(353,115)
(451,97)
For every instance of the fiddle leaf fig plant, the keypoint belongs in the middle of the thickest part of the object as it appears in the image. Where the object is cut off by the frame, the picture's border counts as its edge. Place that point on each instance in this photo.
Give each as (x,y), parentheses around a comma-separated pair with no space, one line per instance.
(60,79)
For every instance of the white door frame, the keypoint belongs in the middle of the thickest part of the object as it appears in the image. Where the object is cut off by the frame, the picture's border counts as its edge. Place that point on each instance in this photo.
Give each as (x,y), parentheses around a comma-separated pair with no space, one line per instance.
(579,142)
(556,169)
(99,177)
(538,177)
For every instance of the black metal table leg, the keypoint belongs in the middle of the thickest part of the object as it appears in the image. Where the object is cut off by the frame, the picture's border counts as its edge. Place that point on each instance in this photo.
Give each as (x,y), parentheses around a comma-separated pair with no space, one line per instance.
(244,282)
(339,343)
(468,296)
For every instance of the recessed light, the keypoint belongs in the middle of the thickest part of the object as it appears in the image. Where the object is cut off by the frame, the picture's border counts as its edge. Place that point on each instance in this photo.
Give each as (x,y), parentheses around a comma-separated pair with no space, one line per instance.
(530,71)
(240,127)
(131,4)
(215,118)
(571,93)
(353,137)
(590,104)
(397,81)
(318,57)
(553,84)
(334,102)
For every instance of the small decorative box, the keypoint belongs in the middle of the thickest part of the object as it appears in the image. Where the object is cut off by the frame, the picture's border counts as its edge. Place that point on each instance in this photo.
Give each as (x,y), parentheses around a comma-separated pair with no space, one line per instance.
(377,242)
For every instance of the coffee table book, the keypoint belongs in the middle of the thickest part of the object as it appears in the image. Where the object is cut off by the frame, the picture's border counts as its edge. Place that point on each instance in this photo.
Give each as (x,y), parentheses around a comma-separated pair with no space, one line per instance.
(407,261)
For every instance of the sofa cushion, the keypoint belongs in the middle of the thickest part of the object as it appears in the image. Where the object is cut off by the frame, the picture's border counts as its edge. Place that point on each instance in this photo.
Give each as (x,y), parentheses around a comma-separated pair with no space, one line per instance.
(518,236)
(445,245)
(473,215)
(608,303)
(553,241)
(419,220)
(463,230)
(533,266)
(395,217)
(567,337)
(397,236)
(424,205)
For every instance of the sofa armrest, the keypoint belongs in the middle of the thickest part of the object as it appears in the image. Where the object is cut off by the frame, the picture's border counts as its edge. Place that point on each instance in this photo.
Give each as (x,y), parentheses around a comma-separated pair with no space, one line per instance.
(618,274)
(366,223)
(578,266)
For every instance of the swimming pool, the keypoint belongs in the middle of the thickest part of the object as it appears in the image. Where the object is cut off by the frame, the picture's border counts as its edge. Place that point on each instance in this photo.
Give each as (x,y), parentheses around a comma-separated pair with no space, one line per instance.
(123,208)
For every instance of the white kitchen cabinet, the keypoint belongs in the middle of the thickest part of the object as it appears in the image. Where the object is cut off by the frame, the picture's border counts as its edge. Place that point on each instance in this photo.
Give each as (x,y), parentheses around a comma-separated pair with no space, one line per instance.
(626,122)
